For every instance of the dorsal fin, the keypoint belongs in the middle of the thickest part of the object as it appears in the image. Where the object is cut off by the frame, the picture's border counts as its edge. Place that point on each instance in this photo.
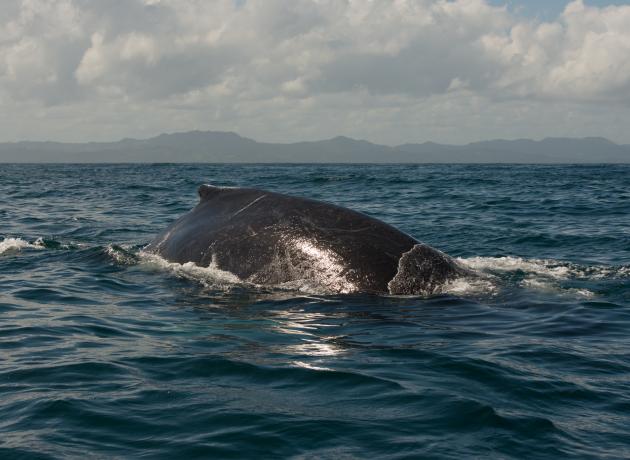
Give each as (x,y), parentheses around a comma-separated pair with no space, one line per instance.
(207,191)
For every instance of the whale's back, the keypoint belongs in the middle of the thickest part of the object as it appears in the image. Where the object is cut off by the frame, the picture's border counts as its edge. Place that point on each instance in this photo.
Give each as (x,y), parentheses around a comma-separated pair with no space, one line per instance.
(270,238)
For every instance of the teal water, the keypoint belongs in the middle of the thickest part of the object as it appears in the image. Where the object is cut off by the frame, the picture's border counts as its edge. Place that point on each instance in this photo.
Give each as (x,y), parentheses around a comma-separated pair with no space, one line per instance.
(107,353)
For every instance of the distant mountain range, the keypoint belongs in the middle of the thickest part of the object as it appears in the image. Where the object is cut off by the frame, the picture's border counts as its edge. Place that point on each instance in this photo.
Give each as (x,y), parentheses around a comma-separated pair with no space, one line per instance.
(227,147)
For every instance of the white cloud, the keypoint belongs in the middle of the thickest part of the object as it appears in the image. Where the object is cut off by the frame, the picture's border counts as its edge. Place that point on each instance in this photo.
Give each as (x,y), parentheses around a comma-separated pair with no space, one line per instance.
(386,70)
(584,55)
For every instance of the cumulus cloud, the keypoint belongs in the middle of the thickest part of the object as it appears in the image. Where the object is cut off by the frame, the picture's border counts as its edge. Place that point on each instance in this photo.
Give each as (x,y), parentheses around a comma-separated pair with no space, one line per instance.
(583,55)
(386,70)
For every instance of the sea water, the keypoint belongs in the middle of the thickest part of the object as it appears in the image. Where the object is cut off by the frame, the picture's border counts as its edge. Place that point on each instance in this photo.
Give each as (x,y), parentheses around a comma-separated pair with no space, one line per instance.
(107,352)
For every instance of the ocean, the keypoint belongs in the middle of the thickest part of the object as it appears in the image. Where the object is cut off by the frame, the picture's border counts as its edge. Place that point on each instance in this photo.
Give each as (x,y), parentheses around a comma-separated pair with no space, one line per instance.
(106,352)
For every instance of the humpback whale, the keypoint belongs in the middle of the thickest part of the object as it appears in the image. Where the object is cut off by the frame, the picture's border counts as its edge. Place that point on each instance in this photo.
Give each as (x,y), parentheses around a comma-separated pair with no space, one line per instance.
(269,238)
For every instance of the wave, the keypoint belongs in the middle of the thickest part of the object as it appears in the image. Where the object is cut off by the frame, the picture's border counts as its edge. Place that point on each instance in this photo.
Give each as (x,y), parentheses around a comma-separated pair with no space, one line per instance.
(549,268)
(467,286)
(17,244)
(211,276)
(216,278)
(121,254)
(496,273)
(545,274)
(12,245)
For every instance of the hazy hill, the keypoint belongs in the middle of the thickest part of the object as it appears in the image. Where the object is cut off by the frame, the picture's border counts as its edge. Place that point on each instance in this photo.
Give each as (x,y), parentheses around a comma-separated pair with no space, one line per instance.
(226,147)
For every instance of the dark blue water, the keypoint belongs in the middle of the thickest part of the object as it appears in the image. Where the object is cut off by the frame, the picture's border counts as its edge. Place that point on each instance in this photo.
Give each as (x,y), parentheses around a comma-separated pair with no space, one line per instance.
(108,353)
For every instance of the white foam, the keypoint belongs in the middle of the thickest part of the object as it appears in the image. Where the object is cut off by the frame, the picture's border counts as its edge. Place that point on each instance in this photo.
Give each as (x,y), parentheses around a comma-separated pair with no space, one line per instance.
(121,254)
(545,285)
(549,268)
(601,272)
(214,277)
(585,293)
(210,276)
(17,244)
(470,286)
(546,275)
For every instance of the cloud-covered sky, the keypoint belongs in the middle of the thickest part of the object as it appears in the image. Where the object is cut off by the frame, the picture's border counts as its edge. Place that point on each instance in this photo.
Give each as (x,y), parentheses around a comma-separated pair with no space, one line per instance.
(390,71)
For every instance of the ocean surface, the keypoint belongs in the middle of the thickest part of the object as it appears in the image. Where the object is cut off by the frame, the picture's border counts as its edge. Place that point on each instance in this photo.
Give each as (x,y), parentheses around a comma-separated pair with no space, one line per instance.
(106,352)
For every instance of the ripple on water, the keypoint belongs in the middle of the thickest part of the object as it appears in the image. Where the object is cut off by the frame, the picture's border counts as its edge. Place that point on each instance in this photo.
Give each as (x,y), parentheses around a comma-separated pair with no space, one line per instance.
(108,353)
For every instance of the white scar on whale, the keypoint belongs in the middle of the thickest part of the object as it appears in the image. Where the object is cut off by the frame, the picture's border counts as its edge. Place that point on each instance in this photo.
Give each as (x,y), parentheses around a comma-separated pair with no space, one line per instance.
(247,206)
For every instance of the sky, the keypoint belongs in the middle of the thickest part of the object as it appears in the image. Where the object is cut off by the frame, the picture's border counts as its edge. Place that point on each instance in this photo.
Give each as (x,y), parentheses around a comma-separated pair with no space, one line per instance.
(388,71)
(548,10)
